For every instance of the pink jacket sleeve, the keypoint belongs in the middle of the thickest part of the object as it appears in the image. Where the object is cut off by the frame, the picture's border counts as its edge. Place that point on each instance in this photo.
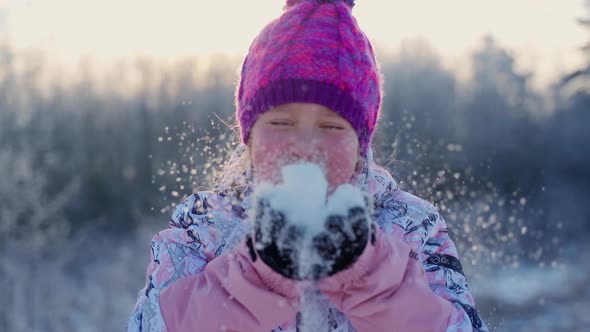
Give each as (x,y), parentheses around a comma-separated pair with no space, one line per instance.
(387,290)
(231,294)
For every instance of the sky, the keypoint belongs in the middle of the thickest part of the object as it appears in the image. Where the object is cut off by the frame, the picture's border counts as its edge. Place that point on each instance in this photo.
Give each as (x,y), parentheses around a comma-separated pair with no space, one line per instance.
(542,33)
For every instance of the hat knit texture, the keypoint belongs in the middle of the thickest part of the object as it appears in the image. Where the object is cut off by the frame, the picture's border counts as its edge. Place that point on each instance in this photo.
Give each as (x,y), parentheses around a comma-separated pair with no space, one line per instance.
(314,52)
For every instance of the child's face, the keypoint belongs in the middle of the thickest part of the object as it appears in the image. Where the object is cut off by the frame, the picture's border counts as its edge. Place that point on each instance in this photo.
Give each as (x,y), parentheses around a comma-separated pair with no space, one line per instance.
(303,132)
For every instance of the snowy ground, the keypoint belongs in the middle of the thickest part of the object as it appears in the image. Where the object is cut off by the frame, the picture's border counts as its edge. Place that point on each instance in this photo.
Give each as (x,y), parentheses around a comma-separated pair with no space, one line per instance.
(534,298)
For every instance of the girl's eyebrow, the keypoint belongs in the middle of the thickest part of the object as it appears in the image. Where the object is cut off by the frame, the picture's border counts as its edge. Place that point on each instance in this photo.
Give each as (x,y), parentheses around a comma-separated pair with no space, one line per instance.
(275,111)
(328,111)
(278,115)
(331,114)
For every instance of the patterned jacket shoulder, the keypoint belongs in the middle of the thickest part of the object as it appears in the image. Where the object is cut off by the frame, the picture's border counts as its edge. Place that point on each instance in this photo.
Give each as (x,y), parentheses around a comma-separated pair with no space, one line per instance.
(415,216)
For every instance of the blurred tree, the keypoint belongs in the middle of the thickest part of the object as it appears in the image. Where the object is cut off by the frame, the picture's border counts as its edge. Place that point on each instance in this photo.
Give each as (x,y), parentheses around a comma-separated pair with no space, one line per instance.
(500,138)
(418,116)
(567,136)
(33,233)
(578,80)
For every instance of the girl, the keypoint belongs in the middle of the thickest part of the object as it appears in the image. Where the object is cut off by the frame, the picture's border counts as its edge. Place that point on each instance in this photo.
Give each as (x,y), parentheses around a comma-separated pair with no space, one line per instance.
(310,90)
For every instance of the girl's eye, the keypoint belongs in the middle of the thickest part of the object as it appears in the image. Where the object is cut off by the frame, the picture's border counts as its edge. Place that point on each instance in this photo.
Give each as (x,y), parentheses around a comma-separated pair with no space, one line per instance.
(280,123)
(332,127)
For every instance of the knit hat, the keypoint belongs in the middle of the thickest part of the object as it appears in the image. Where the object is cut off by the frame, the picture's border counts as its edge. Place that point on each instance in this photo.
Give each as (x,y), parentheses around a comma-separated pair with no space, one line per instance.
(314,52)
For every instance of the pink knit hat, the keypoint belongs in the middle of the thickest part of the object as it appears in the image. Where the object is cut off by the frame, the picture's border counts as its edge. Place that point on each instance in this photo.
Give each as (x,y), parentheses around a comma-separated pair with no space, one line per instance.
(314,52)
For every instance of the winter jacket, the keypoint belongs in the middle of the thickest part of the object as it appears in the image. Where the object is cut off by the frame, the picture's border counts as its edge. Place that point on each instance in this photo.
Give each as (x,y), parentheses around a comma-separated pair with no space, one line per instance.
(201,276)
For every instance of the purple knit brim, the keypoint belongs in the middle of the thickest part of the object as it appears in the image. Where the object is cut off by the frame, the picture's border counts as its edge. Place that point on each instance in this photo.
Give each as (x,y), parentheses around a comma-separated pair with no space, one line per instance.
(304,91)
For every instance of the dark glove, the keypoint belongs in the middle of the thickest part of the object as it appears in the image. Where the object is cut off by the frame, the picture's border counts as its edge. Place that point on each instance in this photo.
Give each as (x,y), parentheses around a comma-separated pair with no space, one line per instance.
(277,241)
(342,242)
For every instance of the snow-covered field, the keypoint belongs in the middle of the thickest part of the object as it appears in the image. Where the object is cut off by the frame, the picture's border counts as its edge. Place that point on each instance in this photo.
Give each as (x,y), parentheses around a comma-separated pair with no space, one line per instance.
(533,298)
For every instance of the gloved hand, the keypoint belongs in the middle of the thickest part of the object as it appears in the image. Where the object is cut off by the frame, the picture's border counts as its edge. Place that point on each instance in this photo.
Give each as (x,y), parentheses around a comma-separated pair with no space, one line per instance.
(342,241)
(277,241)
(303,248)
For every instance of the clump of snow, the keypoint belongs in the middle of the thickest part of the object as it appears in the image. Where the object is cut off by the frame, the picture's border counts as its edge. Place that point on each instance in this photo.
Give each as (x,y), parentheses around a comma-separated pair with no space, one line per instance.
(302,196)
(344,197)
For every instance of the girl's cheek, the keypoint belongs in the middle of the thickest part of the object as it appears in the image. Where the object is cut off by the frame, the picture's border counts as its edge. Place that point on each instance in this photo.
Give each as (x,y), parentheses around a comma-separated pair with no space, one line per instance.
(342,159)
(268,157)
(341,170)
(263,162)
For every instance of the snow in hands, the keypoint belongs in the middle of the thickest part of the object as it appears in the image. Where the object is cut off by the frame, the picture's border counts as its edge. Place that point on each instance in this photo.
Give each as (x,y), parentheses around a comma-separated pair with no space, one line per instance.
(303,234)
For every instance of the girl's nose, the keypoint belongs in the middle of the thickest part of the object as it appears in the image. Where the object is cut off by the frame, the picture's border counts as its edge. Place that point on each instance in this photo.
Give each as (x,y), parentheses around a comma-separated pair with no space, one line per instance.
(304,145)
